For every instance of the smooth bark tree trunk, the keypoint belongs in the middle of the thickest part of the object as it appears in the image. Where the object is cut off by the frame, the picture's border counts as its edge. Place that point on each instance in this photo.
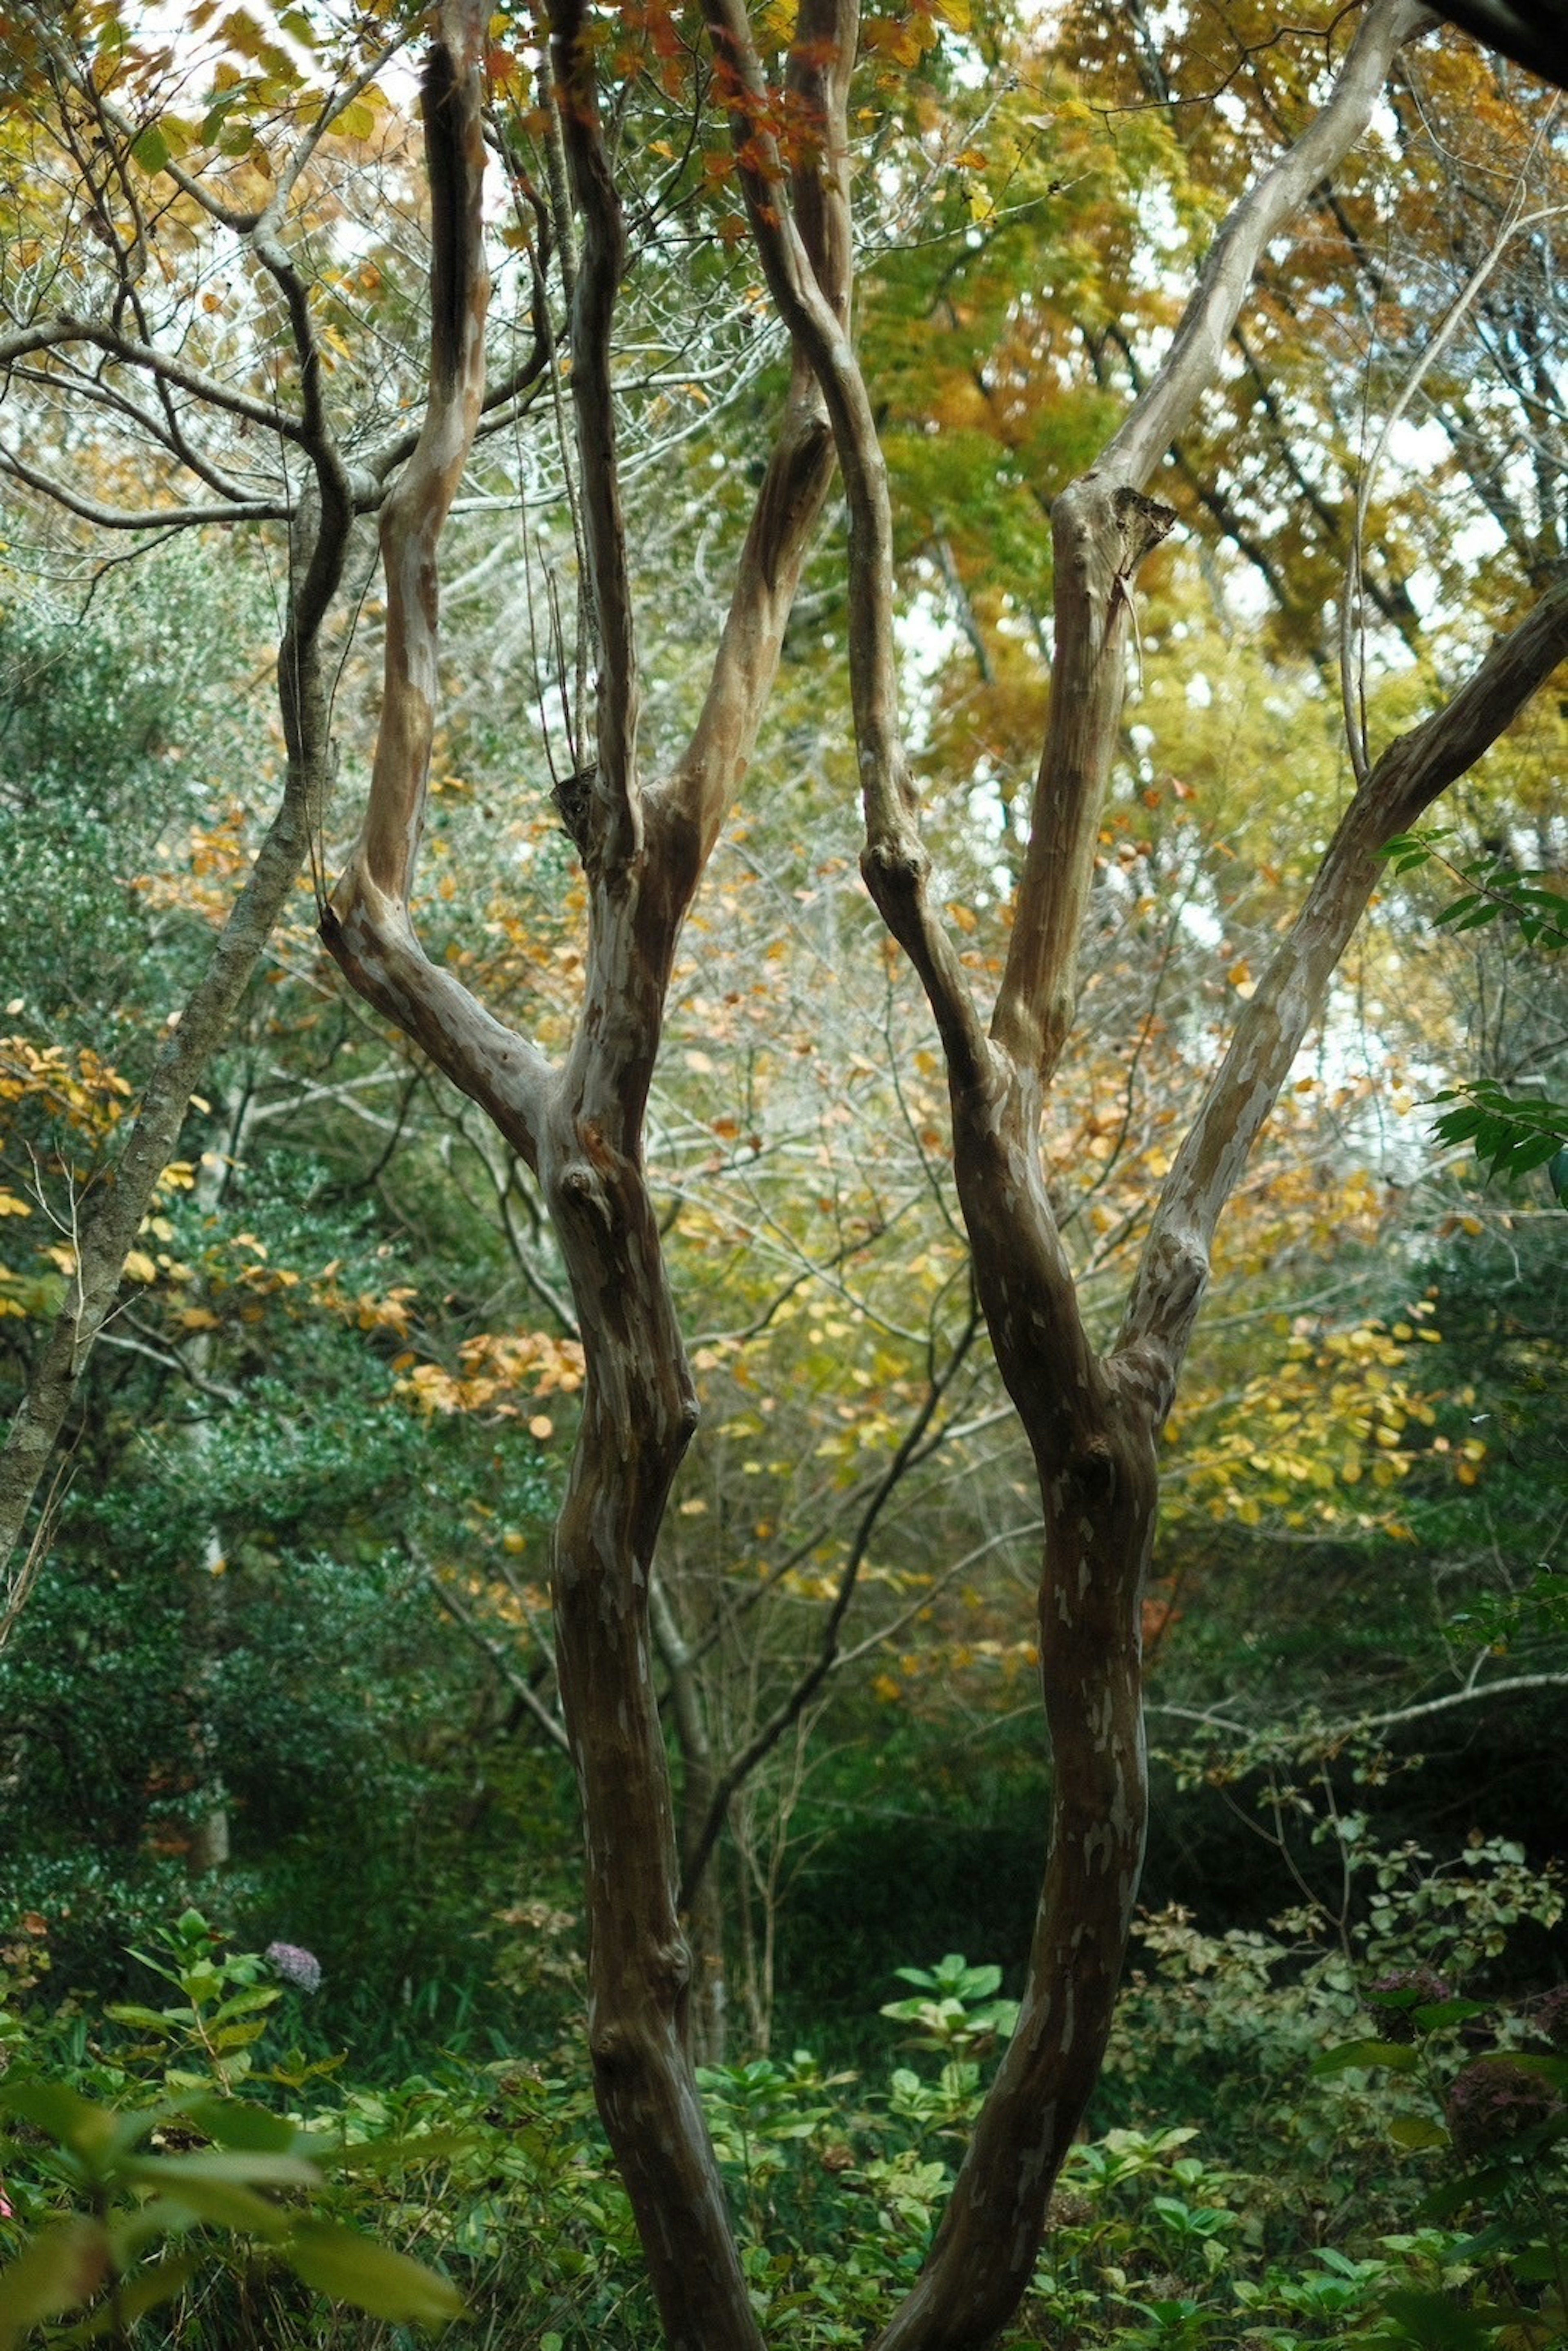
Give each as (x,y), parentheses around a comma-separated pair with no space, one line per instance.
(580,1126)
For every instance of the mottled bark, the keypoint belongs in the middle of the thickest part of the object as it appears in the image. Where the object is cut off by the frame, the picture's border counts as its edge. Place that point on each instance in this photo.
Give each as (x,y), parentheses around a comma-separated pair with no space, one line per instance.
(580,1125)
(1092,1423)
(701,1907)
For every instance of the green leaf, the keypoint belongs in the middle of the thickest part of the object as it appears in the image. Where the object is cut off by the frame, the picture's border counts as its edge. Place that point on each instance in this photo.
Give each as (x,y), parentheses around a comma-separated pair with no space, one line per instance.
(240,2036)
(70,2119)
(1436,2322)
(258,2169)
(1396,2055)
(152,150)
(1432,2015)
(375,2156)
(347,2267)
(146,2020)
(1534,1152)
(160,2284)
(1416,2130)
(60,2270)
(248,2003)
(233,2123)
(1463,913)
(1549,2069)
(227,2203)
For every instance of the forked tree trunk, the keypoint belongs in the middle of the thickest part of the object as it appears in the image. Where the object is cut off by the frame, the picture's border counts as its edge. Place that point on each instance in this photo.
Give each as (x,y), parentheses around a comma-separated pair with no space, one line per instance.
(1092,1421)
(580,1126)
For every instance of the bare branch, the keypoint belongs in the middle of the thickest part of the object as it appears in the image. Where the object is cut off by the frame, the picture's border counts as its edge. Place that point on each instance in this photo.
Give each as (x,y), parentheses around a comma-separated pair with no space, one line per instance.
(790,499)
(516,1681)
(1102,528)
(615,833)
(158,519)
(1197,348)
(895,863)
(1410,774)
(367,927)
(799,1696)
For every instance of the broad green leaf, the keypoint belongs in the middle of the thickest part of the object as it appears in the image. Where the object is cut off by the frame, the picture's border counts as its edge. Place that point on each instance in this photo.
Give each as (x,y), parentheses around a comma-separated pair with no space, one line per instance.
(1549,2069)
(239,2036)
(225,2202)
(1436,2322)
(152,149)
(1417,2131)
(233,2123)
(59,2271)
(258,2170)
(376,2156)
(1396,2055)
(347,2267)
(1434,2015)
(147,2020)
(141,2293)
(248,2003)
(69,2117)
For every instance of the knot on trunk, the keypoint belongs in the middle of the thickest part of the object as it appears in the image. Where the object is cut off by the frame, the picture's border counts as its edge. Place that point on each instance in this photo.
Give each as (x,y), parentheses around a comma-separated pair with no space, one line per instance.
(573,797)
(897,868)
(580,1190)
(1143,523)
(1091,1472)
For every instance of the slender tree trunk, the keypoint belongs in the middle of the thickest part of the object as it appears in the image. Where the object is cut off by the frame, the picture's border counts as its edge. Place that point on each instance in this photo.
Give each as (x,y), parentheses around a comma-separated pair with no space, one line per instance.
(110,1233)
(580,1126)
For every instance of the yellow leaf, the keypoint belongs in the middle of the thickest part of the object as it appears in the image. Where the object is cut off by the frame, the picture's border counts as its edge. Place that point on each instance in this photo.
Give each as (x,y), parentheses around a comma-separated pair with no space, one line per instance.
(140,1267)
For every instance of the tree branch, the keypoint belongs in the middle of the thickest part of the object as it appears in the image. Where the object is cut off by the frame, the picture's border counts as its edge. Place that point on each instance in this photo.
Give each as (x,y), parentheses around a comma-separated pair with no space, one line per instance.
(1102,527)
(367,927)
(895,863)
(516,1681)
(796,483)
(613,829)
(1410,774)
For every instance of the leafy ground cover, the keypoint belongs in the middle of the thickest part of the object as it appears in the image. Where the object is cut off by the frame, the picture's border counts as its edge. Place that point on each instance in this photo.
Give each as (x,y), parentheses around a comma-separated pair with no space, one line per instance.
(194,2170)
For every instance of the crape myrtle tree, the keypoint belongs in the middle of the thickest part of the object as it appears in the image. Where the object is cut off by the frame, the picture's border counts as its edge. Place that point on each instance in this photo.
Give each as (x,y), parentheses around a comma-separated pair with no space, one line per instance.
(1092,1417)
(1092,1420)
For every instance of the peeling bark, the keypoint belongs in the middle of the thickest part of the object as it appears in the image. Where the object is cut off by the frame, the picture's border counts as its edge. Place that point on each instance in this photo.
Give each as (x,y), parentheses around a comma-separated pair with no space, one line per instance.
(1093,1424)
(580,1125)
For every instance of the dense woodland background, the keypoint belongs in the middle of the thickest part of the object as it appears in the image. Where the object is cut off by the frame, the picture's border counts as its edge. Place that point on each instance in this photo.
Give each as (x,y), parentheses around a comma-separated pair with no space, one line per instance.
(285,1660)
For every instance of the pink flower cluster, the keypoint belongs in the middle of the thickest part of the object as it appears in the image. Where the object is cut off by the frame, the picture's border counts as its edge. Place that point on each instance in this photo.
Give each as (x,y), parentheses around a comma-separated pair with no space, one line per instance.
(297,1966)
